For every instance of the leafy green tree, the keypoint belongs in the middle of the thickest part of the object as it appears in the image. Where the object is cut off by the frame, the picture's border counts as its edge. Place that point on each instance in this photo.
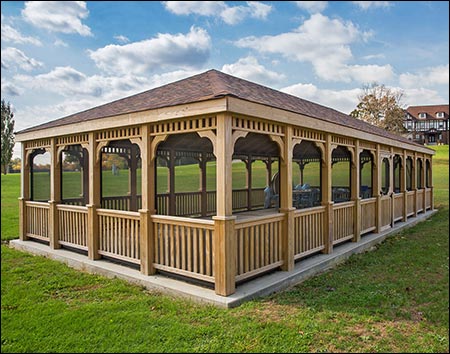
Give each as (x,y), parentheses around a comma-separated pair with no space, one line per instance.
(7,135)
(381,106)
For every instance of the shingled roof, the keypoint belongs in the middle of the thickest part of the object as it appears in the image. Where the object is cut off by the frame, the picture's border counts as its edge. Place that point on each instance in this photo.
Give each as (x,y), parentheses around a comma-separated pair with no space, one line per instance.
(210,85)
(430,110)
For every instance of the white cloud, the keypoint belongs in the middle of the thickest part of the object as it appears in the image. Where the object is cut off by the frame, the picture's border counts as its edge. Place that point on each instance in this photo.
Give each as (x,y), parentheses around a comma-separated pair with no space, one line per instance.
(9,34)
(341,100)
(374,56)
(422,96)
(58,16)
(10,90)
(60,43)
(15,58)
(312,6)
(121,39)
(186,51)
(365,5)
(431,76)
(229,14)
(323,42)
(250,69)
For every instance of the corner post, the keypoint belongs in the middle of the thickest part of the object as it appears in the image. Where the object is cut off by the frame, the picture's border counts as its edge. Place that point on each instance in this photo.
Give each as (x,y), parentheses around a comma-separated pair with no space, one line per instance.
(25,194)
(286,201)
(356,181)
(55,195)
(224,221)
(414,182)
(148,203)
(403,186)
(94,199)
(327,200)
(377,188)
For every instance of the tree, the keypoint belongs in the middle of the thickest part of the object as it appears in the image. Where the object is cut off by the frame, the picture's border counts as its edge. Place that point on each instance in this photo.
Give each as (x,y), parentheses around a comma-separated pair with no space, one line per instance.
(381,106)
(7,135)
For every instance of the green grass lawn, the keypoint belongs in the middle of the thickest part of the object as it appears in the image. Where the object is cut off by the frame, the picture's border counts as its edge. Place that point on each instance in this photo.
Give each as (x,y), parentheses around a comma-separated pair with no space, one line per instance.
(393,299)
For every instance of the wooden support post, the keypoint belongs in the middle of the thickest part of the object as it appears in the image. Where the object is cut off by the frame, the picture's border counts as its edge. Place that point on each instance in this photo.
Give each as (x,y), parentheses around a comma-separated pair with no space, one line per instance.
(203,178)
(327,200)
(355,191)
(148,157)
(286,201)
(224,221)
(249,182)
(391,185)
(93,241)
(424,185)
(25,194)
(94,198)
(431,183)
(133,178)
(414,182)
(403,187)
(377,188)
(55,195)
(172,201)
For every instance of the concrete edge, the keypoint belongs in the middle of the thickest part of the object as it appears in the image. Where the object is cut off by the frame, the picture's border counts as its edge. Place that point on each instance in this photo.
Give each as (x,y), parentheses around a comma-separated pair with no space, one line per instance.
(259,287)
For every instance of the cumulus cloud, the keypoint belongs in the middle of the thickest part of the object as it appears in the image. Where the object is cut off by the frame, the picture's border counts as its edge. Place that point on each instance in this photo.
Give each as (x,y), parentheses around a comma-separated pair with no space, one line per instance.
(342,100)
(323,42)
(15,58)
(430,76)
(365,5)
(10,34)
(229,14)
(185,51)
(312,6)
(10,90)
(58,16)
(121,39)
(249,68)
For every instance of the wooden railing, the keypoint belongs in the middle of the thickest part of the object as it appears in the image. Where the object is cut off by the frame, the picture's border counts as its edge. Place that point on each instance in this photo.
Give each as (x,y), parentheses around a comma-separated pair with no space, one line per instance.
(119,234)
(308,231)
(37,217)
(368,215)
(73,226)
(386,212)
(410,202)
(398,206)
(258,245)
(184,246)
(420,200)
(343,218)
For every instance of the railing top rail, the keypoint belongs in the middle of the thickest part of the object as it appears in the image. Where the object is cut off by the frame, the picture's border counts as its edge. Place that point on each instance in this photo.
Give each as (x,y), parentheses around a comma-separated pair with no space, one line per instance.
(178,220)
(343,205)
(368,200)
(252,220)
(119,213)
(66,207)
(44,205)
(307,211)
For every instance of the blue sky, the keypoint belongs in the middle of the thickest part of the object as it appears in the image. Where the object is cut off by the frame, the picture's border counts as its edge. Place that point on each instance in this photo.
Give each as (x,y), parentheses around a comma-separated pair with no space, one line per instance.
(63,57)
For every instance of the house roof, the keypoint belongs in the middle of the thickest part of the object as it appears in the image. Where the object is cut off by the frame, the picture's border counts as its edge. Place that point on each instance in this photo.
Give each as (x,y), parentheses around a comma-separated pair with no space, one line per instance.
(214,84)
(430,110)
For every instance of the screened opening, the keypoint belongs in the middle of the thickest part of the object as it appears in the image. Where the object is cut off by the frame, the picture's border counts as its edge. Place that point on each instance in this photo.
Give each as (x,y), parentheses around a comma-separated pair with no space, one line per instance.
(121,176)
(341,174)
(74,175)
(428,183)
(40,175)
(255,166)
(419,172)
(385,176)
(397,173)
(409,173)
(366,174)
(306,175)
(185,176)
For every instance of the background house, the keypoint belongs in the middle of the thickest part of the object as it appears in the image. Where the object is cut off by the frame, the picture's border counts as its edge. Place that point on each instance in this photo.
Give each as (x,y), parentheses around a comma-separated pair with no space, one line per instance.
(427,124)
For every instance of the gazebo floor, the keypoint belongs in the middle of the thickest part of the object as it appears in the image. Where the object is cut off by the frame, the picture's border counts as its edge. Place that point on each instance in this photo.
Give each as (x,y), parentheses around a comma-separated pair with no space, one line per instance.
(261,286)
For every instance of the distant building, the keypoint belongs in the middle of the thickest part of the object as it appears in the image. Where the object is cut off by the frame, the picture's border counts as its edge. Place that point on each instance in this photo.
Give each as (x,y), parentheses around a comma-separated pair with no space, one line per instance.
(427,124)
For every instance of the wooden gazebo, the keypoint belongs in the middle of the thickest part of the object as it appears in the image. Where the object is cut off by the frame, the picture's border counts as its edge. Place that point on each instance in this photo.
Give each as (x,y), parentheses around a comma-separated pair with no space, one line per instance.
(365,180)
